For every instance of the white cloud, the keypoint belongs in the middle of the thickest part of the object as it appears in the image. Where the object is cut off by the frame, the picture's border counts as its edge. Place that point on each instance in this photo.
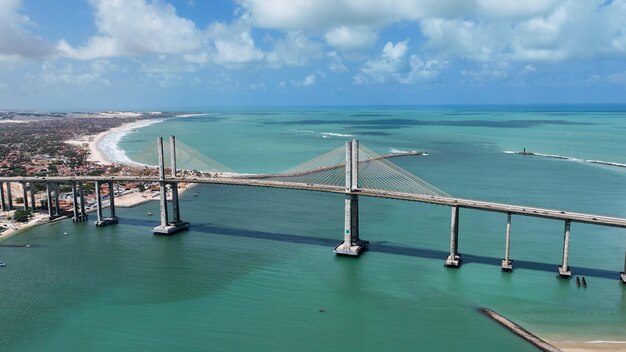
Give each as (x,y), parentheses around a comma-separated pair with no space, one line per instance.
(136,27)
(393,66)
(76,75)
(306,82)
(529,69)
(233,44)
(295,49)
(350,38)
(336,63)
(16,43)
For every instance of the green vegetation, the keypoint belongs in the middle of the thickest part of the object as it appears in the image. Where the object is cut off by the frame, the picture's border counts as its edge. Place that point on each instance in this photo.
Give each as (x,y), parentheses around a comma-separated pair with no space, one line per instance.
(21,215)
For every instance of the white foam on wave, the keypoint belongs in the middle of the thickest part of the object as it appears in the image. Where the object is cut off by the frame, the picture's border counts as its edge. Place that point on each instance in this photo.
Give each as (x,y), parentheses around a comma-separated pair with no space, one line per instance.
(606,341)
(569,158)
(109,143)
(332,134)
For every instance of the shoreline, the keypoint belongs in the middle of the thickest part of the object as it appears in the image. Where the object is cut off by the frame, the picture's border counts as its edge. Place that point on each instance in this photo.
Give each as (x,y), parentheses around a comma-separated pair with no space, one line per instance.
(111,138)
(37,220)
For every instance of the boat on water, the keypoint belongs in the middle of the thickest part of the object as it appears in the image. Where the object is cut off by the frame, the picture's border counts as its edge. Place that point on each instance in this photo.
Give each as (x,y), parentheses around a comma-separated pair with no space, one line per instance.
(3,264)
(196,194)
(149,213)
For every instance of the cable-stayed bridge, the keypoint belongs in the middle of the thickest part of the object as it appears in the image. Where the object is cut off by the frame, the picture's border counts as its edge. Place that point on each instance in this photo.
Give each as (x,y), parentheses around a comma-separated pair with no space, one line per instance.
(352,170)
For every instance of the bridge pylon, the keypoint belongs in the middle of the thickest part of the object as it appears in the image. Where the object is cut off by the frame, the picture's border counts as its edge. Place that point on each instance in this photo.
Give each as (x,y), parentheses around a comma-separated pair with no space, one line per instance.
(352,245)
(167,227)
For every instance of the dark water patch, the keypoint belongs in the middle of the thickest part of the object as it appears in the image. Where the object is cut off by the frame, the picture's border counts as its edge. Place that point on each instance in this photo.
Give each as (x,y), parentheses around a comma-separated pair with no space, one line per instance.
(380,247)
(258,113)
(203,118)
(370,115)
(466,113)
(377,127)
(445,123)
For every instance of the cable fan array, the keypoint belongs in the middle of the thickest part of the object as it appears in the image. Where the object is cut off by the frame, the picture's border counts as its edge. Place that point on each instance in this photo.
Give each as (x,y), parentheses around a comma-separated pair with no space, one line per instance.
(376,172)
(187,158)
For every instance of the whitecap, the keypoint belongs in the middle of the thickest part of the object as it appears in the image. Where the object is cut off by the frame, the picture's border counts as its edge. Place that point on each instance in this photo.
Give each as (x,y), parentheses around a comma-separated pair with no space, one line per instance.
(331,134)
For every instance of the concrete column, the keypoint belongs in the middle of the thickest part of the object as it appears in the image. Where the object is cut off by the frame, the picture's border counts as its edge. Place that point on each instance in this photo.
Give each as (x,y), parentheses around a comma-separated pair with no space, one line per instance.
(9,196)
(454,259)
(175,205)
(173,155)
(174,185)
(98,203)
(354,212)
(347,240)
(347,223)
(354,183)
(75,202)
(163,204)
(57,208)
(111,199)
(507,264)
(162,188)
(81,191)
(352,245)
(564,271)
(49,199)
(2,199)
(33,205)
(161,158)
(25,196)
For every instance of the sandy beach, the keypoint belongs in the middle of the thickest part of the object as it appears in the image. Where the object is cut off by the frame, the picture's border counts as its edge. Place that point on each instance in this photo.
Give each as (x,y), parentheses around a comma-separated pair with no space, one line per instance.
(103,146)
(15,228)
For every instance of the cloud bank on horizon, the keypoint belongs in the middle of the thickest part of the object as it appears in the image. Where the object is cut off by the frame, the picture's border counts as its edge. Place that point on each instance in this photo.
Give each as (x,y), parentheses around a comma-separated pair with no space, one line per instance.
(145,53)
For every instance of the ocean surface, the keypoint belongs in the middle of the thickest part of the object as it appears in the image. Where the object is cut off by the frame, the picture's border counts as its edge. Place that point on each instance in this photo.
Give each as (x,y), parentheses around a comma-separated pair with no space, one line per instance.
(257,266)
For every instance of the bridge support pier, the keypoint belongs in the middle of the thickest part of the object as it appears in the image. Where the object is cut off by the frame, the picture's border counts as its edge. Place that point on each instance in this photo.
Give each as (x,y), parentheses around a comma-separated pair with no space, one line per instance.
(112,219)
(49,200)
(166,227)
(9,197)
(454,259)
(564,269)
(79,213)
(57,208)
(3,202)
(33,205)
(623,273)
(507,263)
(25,196)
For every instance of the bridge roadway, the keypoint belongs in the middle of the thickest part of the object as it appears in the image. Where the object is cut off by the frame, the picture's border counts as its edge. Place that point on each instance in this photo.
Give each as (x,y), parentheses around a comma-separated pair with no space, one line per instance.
(445,201)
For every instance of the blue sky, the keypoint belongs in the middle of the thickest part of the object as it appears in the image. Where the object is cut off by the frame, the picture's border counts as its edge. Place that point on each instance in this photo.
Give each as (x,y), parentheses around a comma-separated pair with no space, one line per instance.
(194,54)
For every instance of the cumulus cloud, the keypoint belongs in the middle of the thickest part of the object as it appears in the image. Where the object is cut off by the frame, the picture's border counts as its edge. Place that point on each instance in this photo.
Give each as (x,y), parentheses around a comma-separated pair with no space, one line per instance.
(136,27)
(393,66)
(350,38)
(233,44)
(295,49)
(77,75)
(307,81)
(16,43)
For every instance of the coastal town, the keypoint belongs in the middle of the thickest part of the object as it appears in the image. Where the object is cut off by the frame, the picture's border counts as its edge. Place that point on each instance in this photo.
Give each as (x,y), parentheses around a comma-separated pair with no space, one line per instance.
(65,144)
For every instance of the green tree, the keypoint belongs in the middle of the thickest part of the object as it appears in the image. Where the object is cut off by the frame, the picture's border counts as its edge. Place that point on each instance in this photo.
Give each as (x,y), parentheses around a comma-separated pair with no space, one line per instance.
(21,215)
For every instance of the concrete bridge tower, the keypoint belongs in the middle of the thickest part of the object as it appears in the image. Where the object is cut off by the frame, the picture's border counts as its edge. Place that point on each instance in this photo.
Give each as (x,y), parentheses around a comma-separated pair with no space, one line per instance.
(352,245)
(167,227)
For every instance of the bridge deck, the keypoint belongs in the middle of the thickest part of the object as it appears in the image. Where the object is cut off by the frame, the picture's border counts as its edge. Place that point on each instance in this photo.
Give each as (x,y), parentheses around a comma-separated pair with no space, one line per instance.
(445,201)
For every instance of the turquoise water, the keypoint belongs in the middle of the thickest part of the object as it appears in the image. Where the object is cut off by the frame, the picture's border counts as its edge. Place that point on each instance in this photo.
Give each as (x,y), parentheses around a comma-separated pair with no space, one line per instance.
(257,265)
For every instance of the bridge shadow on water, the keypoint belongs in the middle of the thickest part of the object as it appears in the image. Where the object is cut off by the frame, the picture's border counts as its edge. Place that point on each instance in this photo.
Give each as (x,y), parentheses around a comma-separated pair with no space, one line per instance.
(379,247)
